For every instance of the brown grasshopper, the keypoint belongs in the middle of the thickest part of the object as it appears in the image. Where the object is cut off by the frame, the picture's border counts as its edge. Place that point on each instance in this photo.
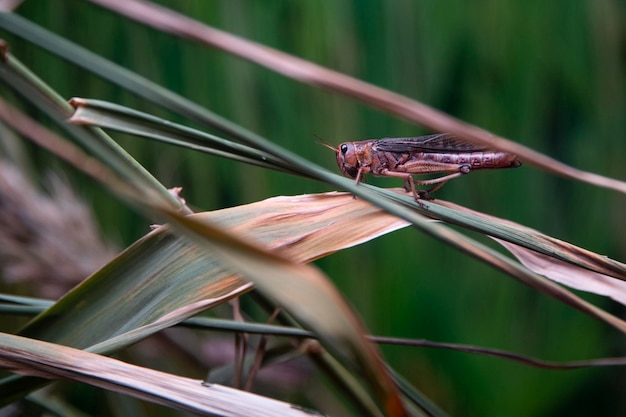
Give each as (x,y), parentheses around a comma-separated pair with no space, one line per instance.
(404,157)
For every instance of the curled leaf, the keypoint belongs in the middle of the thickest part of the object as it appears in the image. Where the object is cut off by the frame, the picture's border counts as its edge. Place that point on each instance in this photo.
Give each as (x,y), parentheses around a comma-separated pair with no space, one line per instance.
(557,260)
(568,274)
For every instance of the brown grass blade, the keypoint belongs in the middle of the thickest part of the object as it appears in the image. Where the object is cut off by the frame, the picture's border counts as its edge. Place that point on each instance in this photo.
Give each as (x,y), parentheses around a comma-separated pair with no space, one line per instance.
(42,359)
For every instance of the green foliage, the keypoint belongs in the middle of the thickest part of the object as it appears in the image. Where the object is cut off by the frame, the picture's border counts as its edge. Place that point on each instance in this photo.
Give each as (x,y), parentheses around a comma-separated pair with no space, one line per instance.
(546,74)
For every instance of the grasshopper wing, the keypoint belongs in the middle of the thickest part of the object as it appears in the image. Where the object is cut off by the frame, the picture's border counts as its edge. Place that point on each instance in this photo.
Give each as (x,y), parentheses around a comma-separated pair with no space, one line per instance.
(441,142)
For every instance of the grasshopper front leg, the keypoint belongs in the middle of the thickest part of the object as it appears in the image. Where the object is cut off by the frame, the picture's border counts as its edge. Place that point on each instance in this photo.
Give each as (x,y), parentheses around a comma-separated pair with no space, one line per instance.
(357,180)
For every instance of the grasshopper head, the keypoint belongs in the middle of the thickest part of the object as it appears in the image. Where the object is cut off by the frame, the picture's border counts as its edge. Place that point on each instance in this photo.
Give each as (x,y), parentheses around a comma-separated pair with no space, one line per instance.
(347,159)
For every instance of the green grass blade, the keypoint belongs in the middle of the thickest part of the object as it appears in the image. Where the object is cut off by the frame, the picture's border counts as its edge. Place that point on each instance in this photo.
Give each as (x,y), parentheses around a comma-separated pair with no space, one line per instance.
(123,119)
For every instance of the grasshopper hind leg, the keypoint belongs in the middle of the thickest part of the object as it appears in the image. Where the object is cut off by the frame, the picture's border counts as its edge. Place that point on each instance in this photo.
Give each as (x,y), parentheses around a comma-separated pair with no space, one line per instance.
(410,182)
(440,182)
(426,194)
(409,187)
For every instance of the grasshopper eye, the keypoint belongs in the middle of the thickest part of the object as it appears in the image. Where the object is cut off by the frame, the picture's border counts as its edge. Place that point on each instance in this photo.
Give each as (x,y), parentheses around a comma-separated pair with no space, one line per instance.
(344,148)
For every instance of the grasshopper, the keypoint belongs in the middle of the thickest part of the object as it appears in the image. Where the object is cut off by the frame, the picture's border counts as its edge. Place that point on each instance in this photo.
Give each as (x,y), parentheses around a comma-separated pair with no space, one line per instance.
(404,157)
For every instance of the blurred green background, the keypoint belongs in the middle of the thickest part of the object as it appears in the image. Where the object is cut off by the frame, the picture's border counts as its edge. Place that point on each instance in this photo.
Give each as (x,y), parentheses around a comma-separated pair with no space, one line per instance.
(551,75)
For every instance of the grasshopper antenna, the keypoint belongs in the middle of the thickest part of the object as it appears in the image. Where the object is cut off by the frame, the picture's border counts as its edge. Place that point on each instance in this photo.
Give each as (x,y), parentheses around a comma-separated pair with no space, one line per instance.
(324,143)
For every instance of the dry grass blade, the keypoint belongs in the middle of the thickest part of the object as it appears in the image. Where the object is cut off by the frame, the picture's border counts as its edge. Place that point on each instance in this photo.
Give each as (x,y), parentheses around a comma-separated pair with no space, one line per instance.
(307,227)
(46,360)
(310,73)
(9,5)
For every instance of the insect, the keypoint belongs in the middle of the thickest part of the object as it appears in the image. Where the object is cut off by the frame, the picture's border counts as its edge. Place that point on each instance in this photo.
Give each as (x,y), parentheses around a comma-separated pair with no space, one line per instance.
(404,157)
